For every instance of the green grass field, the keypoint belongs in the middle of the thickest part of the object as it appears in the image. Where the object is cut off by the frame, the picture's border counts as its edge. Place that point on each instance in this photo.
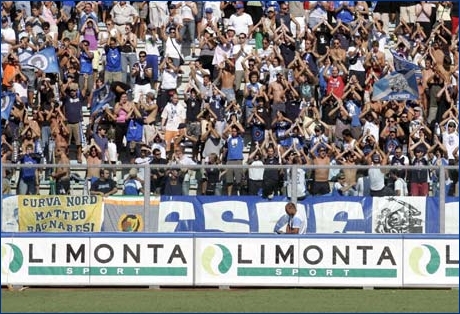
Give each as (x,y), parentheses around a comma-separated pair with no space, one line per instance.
(233,300)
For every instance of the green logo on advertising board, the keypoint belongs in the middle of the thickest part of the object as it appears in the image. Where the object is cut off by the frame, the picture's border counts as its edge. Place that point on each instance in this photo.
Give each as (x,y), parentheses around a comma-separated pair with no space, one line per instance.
(419,262)
(210,256)
(15,261)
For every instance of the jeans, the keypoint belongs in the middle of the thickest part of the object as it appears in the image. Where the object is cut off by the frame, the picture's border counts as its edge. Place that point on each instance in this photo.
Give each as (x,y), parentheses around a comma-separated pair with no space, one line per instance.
(127,59)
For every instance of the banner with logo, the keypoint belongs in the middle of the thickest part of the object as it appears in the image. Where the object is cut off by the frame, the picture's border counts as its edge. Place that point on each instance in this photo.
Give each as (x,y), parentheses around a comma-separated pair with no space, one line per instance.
(431,262)
(335,260)
(216,259)
(249,214)
(44,60)
(97,261)
(8,99)
(127,214)
(236,214)
(60,213)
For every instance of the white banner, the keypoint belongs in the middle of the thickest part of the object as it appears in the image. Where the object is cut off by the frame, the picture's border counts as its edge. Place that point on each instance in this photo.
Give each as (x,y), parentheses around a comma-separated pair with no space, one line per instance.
(96,261)
(350,262)
(431,263)
(303,262)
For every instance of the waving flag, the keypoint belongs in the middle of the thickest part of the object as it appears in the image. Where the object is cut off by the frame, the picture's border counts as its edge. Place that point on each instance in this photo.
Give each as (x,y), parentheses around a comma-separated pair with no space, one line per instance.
(44,60)
(8,99)
(101,97)
(396,86)
(403,65)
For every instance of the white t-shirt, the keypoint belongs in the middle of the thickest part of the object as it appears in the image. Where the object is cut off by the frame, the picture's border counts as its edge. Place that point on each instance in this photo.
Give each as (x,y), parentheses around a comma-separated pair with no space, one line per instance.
(174,115)
(401,185)
(241,23)
(7,34)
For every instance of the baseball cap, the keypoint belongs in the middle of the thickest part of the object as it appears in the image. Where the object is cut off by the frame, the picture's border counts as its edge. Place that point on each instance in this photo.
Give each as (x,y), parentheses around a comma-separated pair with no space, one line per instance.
(208,10)
(239,5)
(341,176)
(418,108)
(181,126)
(271,9)
(230,28)
(4,19)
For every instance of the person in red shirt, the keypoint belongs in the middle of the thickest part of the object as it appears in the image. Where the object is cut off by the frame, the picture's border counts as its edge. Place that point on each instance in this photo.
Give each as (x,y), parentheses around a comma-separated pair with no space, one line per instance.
(335,83)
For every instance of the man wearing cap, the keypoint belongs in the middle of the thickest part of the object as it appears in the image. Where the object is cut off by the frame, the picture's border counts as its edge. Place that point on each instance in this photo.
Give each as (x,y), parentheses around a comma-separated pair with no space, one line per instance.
(133,184)
(209,21)
(241,21)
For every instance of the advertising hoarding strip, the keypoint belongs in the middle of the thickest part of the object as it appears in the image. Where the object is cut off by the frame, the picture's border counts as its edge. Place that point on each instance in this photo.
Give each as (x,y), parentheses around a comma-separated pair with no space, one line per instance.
(316,272)
(106,271)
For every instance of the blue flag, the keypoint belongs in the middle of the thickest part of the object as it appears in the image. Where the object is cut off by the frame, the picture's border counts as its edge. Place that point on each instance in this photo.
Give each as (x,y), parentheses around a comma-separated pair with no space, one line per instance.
(44,60)
(101,97)
(403,65)
(396,86)
(8,99)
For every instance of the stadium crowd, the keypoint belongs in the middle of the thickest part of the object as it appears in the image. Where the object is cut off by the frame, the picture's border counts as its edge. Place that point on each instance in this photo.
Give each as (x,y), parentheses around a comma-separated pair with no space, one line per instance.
(296,82)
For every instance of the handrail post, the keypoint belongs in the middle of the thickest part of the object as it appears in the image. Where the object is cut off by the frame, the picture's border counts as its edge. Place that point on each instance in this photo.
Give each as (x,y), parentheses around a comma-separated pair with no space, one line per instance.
(442,199)
(293,183)
(147,210)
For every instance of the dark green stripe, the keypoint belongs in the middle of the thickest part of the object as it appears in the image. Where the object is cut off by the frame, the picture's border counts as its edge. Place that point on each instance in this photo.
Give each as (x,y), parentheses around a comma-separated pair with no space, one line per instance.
(317,272)
(451,272)
(107,271)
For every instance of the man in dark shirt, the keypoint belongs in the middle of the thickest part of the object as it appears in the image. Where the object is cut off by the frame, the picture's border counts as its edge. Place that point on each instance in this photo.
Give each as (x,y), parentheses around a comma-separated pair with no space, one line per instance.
(104,186)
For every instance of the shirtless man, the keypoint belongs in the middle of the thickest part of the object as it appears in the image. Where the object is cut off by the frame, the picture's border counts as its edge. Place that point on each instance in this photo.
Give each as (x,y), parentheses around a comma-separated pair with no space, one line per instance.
(276,94)
(93,157)
(337,52)
(227,78)
(320,157)
(375,59)
(61,136)
(350,157)
(62,174)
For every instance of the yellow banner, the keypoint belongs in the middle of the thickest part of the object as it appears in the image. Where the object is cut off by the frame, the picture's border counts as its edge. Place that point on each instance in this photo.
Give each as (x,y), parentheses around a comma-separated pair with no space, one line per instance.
(60,213)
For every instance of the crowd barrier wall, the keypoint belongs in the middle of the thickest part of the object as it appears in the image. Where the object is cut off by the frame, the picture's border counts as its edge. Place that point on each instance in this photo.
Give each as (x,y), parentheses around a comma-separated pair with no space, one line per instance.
(225,259)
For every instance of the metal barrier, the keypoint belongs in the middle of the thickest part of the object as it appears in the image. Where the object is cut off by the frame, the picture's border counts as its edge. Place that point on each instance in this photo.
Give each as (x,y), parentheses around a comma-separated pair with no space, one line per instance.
(293,170)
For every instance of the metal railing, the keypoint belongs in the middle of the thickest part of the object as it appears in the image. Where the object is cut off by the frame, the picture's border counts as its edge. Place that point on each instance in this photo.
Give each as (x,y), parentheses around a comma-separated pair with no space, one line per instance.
(442,169)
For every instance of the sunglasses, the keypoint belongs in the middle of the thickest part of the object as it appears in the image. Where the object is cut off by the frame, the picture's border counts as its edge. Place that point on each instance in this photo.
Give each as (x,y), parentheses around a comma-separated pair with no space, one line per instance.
(142,56)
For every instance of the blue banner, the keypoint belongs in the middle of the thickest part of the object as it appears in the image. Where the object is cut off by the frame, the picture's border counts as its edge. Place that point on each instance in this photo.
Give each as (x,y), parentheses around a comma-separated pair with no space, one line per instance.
(101,97)
(401,64)
(8,99)
(396,86)
(44,60)
(327,214)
